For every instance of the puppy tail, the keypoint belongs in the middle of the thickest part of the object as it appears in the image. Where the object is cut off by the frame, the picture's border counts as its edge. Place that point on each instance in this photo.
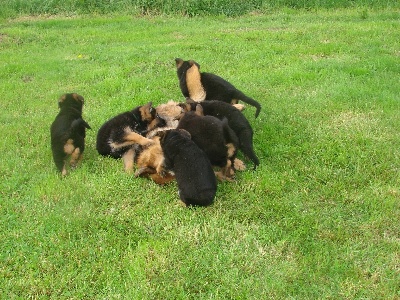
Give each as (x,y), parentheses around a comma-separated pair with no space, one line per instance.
(229,135)
(246,145)
(79,123)
(240,96)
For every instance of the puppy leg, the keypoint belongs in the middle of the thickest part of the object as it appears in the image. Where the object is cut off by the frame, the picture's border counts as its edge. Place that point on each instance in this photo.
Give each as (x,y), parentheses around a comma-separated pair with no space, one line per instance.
(131,138)
(128,158)
(76,157)
(235,103)
(239,165)
(226,172)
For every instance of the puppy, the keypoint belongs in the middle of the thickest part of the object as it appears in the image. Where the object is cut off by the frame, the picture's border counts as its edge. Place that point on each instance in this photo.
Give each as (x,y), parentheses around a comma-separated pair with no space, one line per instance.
(121,136)
(236,120)
(68,132)
(170,112)
(150,163)
(214,137)
(194,174)
(207,86)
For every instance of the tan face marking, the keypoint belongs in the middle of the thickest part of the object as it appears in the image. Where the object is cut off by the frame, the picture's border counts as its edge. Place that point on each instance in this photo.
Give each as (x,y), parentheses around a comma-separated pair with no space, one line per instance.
(145,112)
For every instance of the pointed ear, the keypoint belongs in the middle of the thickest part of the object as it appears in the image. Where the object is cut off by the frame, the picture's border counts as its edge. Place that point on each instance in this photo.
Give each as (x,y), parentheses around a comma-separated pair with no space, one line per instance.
(62,99)
(185,133)
(192,62)
(78,97)
(145,112)
(178,62)
(190,100)
(199,110)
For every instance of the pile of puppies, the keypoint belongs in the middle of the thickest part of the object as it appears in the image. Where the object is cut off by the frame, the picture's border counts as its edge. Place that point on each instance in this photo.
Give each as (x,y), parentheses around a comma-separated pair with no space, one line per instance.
(185,141)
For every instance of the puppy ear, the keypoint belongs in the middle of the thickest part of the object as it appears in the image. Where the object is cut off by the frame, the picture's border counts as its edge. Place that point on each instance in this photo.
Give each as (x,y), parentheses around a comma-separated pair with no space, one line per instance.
(179,62)
(190,100)
(199,110)
(185,133)
(192,62)
(61,100)
(145,112)
(78,97)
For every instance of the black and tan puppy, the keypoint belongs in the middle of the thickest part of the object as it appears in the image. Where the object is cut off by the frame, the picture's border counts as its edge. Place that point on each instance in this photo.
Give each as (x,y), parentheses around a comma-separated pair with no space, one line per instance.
(150,161)
(214,137)
(194,174)
(207,86)
(68,132)
(236,120)
(121,136)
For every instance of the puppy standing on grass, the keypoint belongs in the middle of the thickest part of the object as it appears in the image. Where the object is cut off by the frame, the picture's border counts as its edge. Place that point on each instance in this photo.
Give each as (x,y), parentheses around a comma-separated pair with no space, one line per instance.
(68,132)
(207,86)
(121,136)
(193,171)
(214,137)
(236,120)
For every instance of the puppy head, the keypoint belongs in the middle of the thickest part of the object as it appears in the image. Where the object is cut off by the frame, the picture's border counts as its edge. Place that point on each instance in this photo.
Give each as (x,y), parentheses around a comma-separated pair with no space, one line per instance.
(147,112)
(183,65)
(173,134)
(156,122)
(72,100)
(170,112)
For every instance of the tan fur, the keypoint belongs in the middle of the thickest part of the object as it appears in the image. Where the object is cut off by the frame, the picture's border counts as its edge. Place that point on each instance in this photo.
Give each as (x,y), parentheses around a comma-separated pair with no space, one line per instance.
(145,112)
(171,112)
(132,138)
(69,147)
(150,163)
(193,82)
(75,155)
(239,165)
(128,158)
(240,107)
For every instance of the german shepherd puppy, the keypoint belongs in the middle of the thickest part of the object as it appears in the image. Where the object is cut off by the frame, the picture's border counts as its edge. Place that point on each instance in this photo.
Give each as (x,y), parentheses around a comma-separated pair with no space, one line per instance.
(214,137)
(207,86)
(68,132)
(150,162)
(121,136)
(193,171)
(236,120)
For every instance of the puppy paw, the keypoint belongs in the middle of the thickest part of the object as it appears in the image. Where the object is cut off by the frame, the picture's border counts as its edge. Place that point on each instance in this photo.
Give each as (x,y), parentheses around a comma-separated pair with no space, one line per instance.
(240,107)
(239,165)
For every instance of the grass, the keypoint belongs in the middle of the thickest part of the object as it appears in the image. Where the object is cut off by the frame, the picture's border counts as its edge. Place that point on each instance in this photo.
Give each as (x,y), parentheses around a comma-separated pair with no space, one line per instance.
(318,219)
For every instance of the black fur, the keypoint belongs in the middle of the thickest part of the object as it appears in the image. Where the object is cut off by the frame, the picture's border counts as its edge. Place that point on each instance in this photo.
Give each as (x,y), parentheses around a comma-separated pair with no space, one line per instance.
(211,135)
(193,172)
(216,88)
(113,131)
(236,120)
(68,127)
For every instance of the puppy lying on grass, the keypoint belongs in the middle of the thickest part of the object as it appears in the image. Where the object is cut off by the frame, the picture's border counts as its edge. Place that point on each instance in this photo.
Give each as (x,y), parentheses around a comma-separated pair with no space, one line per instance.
(214,137)
(236,120)
(207,86)
(120,136)
(193,171)
(68,132)
(150,161)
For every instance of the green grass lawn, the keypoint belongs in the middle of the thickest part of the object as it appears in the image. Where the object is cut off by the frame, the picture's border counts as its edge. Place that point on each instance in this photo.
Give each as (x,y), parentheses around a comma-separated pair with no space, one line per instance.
(319,218)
